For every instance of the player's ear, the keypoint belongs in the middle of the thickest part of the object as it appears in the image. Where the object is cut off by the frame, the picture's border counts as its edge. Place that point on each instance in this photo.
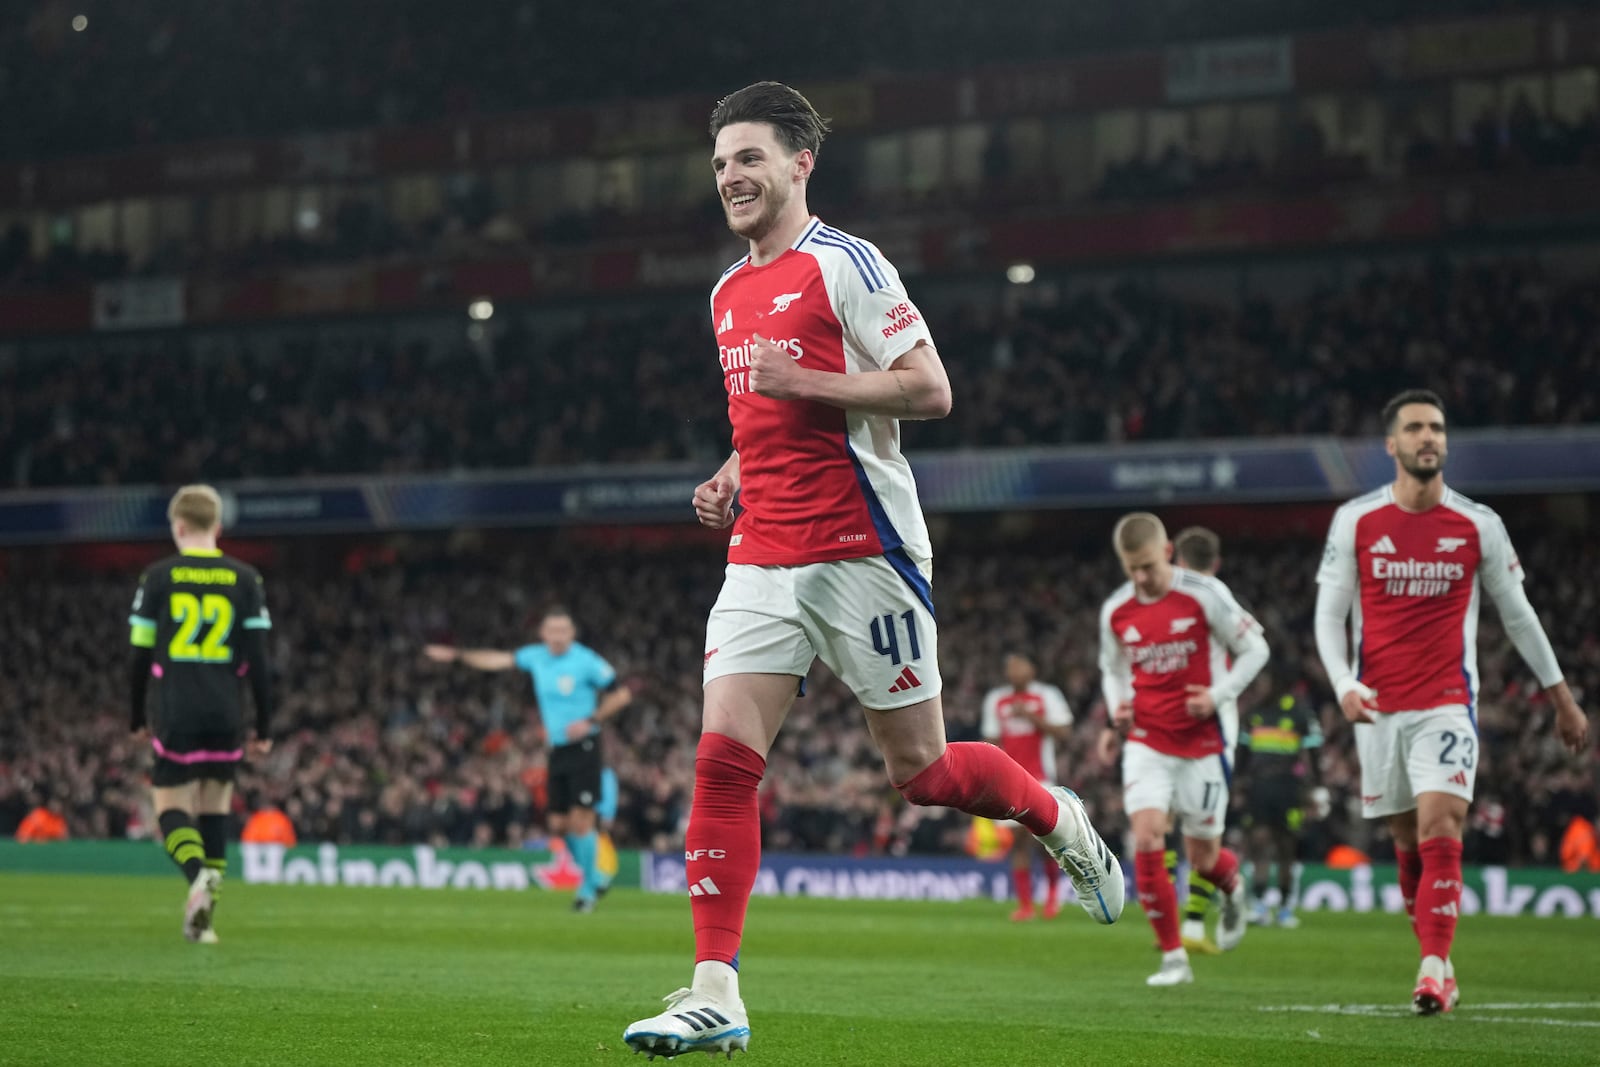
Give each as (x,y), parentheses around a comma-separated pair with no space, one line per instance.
(1169,551)
(1388,445)
(804,163)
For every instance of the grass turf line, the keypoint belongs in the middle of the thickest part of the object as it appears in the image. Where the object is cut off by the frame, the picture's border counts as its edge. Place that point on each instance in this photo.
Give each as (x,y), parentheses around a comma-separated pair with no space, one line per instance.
(94,970)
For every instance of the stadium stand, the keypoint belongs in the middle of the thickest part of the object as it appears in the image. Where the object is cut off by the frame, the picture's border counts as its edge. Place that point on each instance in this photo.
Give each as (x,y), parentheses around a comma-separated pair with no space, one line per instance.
(1505,341)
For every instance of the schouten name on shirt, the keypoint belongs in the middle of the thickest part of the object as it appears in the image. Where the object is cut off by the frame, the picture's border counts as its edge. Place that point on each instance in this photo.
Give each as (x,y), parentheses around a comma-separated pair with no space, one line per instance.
(1415,577)
(204,576)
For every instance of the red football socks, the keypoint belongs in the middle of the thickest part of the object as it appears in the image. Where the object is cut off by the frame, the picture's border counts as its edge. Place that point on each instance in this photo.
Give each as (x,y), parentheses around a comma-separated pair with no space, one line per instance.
(1225,873)
(1022,882)
(1052,877)
(980,779)
(1410,877)
(722,847)
(1439,895)
(1157,897)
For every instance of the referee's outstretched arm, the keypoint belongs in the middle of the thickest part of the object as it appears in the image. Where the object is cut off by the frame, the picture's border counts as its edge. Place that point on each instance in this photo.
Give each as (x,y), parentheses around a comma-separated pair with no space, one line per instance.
(483,659)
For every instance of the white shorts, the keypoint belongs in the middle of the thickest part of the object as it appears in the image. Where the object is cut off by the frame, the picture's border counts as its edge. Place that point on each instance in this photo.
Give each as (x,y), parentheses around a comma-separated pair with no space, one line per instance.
(1407,753)
(870,620)
(1195,790)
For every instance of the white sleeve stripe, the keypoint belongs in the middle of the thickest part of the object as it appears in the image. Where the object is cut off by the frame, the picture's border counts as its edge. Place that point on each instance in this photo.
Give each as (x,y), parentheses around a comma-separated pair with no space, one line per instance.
(816,224)
(855,258)
(869,255)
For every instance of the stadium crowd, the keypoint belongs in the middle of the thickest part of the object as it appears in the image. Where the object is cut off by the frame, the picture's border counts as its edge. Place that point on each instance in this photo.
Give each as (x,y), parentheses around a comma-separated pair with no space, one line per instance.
(472,221)
(189,70)
(1504,341)
(376,745)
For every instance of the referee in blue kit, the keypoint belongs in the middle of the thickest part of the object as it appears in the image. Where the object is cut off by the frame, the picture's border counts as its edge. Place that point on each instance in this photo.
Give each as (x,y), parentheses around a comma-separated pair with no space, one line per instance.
(577,690)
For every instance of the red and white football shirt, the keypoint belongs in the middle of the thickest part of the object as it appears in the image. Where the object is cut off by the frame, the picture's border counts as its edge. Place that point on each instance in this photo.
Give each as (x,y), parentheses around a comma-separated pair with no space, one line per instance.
(1017,734)
(1416,576)
(818,483)
(1156,649)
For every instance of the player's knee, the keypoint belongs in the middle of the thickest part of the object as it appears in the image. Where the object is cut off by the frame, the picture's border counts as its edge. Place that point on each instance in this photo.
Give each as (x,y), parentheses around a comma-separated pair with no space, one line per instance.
(1149,841)
(905,763)
(1203,855)
(1441,824)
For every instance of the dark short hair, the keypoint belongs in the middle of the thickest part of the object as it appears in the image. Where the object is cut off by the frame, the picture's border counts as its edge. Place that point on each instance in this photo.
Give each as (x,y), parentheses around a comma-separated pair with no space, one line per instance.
(555,611)
(790,115)
(1391,410)
(1197,548)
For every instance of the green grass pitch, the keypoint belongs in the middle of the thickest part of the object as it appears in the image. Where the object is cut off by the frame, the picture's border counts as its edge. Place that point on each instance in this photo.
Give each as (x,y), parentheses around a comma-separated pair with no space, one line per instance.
(93,970)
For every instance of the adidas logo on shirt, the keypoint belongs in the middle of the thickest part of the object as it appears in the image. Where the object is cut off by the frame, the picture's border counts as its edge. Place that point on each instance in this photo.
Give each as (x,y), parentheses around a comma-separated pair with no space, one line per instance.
(1383,546)
(1132,635)
(726,323)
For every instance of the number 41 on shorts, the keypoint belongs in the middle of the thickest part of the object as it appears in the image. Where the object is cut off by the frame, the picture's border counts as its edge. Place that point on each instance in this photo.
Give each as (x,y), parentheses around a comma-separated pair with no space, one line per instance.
(886,640)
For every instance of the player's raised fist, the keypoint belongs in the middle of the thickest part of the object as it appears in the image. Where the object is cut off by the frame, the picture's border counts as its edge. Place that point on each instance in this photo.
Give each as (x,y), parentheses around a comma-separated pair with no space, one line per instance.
(774,373)
(713,502)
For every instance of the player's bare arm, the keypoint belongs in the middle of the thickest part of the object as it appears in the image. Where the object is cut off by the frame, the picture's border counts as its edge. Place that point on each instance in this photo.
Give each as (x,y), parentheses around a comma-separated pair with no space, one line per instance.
(713,498)
(482,659)
(914,387)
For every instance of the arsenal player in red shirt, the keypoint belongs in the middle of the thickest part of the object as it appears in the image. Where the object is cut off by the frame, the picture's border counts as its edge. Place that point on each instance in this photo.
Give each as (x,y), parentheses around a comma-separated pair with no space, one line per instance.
(1401,582)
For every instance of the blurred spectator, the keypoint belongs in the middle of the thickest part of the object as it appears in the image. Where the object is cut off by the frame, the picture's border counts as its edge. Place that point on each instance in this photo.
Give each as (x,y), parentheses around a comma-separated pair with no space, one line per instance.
(43,823)
(185,70)
(268,826)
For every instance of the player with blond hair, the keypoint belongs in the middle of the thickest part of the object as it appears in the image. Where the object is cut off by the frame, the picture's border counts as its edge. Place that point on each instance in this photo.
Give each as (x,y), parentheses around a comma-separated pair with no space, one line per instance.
(198,631)
(1165,636)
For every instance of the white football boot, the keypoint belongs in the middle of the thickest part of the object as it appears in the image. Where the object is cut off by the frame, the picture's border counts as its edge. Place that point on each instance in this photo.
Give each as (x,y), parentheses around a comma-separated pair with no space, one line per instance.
(1074,845)
(202,899)
(1233,919)
(693,1022)
(1175,970)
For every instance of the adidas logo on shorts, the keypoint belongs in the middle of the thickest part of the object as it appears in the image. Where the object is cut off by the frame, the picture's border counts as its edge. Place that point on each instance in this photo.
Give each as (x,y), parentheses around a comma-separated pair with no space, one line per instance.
(907,680)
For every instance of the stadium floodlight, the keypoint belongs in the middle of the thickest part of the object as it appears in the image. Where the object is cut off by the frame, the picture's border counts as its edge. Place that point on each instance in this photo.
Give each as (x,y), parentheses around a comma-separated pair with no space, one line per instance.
(1020,273)
(480,310)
